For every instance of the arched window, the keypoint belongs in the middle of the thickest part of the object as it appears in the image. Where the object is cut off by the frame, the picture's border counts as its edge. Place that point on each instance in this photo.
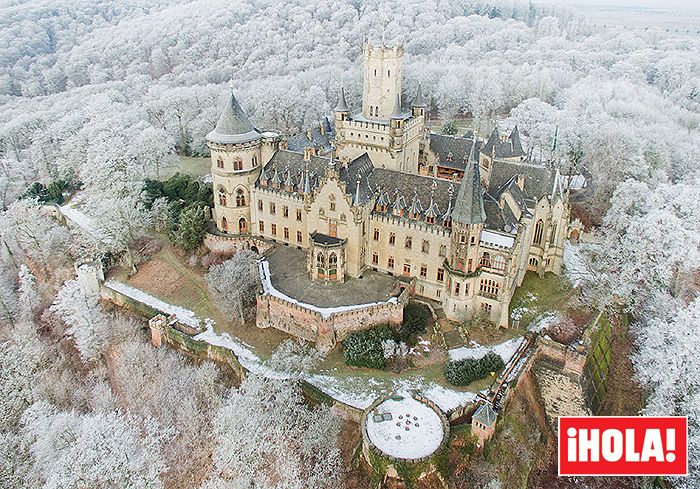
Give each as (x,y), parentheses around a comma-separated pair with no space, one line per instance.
(333,260)
(499,262)
(224,225)
(485,260)
(242,225)
(539,229)
(320,260)
(331,199)
(222,197)
(240,198)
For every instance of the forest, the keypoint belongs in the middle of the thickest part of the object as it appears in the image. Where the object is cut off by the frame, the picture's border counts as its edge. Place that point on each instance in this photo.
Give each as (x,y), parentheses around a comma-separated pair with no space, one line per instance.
(111,93)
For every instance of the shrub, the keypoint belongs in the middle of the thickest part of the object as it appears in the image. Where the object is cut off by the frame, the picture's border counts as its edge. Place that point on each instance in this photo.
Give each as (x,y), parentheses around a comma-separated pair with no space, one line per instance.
(364,348)
(416,320)
(52,193)
(463,372)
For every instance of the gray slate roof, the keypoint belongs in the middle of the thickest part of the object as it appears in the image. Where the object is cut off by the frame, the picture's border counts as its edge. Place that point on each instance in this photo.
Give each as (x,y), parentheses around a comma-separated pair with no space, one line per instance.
(458,147)
(418,100)
(342,104)
(485,414)
(233,127)
(538,178)
(300,141)
(510,148)
(469,206)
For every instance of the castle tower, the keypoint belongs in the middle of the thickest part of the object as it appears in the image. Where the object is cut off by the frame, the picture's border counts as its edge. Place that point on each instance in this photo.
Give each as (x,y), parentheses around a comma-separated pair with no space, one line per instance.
(468,219)
(238,152)
(383,69)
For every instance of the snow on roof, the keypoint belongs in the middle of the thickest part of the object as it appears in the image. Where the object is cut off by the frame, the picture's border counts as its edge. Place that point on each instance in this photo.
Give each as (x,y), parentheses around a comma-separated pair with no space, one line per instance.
(573,182)
(326,312)
(505,350)
(496,239)
(404,427)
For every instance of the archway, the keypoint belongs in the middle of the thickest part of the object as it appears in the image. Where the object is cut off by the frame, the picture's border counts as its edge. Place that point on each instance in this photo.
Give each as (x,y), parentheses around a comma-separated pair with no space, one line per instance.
(224,225)
(242,225)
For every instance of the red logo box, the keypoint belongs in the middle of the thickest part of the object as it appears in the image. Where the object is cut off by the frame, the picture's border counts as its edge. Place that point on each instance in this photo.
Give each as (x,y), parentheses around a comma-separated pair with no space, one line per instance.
(623,445)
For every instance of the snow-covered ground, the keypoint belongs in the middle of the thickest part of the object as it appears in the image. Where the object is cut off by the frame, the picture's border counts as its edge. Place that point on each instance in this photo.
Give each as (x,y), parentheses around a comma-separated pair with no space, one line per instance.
(183,315)
(575,266)
(84,222)
(475,351)
(326,312)
(405,428)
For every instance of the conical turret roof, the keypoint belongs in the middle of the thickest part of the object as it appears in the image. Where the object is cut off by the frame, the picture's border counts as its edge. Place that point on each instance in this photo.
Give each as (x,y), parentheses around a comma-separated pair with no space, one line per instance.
(233,127)
(342,104)
(418,99)
(469,206)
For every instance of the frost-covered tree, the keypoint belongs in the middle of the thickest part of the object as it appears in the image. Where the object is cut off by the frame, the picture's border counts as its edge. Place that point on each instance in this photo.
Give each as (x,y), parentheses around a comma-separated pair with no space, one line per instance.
(295,358)
(234,284)
(267,436)
(103,449)
(87,324)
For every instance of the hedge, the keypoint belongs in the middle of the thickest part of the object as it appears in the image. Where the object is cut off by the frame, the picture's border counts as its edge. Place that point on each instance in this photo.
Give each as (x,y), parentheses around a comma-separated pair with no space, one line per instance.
(364,348)
(463,372)
(416,320)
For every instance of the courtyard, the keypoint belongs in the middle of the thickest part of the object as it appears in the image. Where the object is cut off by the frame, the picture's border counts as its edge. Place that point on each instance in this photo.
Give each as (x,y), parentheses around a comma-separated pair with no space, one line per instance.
(288,275)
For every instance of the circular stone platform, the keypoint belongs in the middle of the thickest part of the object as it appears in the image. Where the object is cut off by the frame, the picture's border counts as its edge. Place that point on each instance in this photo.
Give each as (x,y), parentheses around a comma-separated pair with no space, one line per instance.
(406,428)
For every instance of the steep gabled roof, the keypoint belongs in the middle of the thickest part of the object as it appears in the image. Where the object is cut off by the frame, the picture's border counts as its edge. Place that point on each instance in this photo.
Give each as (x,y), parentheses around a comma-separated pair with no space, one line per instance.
(510,148)
(469,207)
(233,127)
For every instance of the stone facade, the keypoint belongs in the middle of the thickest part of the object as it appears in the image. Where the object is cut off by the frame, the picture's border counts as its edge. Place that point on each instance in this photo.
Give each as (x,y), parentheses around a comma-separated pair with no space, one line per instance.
(465,217)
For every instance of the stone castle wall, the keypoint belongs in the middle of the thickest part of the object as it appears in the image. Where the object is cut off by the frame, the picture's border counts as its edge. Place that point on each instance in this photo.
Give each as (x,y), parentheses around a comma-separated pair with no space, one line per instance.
(233,244)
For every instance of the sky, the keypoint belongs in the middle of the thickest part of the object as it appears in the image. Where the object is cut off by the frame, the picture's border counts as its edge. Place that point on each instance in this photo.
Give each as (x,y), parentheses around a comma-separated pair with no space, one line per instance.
(664,4)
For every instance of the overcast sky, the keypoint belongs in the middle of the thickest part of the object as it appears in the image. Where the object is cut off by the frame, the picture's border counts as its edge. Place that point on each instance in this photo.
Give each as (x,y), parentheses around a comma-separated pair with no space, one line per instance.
(667,4)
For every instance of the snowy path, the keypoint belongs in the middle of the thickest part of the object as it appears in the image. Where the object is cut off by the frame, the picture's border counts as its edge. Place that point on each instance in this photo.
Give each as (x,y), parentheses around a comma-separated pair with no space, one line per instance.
(505,350)
(326,312)
(355,391)
(84,222)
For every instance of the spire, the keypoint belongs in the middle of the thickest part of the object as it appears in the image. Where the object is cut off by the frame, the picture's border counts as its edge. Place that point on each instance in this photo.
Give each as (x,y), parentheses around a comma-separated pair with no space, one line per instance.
(396,113)
(398,204)
(469,207)
(233,127)
(418,99)
(357,192)
(432,211)
(342,104)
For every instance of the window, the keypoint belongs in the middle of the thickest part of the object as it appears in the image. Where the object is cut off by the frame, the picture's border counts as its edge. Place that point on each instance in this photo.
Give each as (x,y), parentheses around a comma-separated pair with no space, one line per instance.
(274,229)
(553,237)
(440,274)
(408,243)
(488,288)
(332,228)
(457,284)
(261,226)
(437,293)
(240,198)
(321,265)
(299,240)
(423,270)
(470,264)
(392,238)
(255,161)
(285,211)
(376,234)
(499,263)
(485,260)
(242,225)
(486,308)
(472,240)
(425,247)
(375,258)
(407,269)
(224,225)
(286,233)
(462,238)
(333,265)
(298,214)
(237,164)
(390,262)
(260,205)
(273,208)
(443,250)
(331,198)
(222,197)
(539,229)
(219,162)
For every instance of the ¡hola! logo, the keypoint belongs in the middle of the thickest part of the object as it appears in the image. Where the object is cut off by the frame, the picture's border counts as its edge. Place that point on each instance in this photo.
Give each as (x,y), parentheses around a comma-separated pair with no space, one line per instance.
(623,445)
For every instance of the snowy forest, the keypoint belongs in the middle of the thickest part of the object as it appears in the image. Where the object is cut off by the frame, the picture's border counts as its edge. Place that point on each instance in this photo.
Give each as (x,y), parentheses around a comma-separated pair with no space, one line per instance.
(109,93)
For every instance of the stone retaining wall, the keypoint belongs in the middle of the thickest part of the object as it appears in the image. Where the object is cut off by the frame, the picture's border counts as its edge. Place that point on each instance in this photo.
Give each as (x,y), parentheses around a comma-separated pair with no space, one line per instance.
(232,244)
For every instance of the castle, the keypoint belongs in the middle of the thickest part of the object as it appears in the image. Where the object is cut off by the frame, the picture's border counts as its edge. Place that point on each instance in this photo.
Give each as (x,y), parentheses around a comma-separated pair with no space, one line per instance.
(377,190)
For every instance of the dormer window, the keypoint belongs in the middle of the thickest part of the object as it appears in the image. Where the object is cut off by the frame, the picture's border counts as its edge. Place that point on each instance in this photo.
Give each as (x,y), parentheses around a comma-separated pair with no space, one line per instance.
(449,156)
(447,222)
(430,219)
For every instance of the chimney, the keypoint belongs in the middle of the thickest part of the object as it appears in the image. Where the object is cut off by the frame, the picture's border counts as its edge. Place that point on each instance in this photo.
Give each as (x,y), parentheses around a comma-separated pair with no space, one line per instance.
(307,154)
(308,135)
